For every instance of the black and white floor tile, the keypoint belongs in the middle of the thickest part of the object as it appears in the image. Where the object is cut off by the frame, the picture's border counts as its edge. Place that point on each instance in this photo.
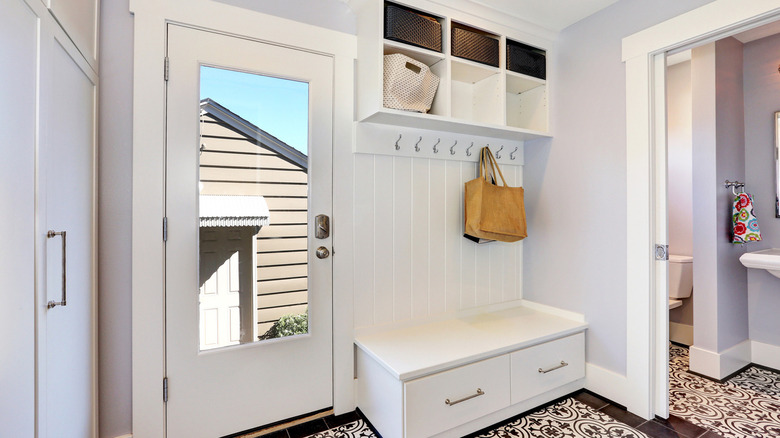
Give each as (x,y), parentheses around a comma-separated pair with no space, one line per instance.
(357,429)
(566,419)
(747,406)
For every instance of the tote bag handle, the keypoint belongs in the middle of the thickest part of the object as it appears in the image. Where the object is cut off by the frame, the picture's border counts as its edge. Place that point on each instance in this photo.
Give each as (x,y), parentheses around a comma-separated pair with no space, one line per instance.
(486,159)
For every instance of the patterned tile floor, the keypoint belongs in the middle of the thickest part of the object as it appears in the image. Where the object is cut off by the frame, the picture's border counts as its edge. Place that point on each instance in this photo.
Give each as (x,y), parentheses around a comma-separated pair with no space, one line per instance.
(747,406)
(581,416)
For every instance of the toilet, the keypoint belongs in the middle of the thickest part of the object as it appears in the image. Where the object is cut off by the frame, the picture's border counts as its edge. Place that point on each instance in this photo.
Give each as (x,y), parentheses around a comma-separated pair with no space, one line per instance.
(680,279)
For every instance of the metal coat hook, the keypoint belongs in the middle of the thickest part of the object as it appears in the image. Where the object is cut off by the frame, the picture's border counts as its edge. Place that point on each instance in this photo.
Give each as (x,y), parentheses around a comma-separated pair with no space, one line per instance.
(498,153)
(452,148)
(468,152)
(417,145)
(512,155)
(397,147)
(435,149)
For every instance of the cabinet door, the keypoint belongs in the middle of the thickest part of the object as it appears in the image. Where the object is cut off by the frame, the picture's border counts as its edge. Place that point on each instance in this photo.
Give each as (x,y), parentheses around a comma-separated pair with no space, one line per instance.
(66,174)
(18,70)
(79,18)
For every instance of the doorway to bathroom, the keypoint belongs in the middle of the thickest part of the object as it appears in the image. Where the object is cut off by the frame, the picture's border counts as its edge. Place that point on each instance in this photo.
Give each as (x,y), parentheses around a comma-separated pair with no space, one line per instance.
(719,104)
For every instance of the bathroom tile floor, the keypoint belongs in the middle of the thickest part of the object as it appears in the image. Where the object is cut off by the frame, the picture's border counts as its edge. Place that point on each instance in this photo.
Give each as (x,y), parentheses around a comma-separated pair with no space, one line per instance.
(746,406)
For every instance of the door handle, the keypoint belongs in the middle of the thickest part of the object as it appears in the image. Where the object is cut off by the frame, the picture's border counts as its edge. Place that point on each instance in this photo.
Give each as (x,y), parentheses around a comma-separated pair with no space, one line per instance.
(322,226)
(50,235)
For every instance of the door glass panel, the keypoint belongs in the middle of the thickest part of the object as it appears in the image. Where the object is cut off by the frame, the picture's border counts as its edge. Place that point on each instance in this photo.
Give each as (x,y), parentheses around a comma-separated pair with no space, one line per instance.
(253,207)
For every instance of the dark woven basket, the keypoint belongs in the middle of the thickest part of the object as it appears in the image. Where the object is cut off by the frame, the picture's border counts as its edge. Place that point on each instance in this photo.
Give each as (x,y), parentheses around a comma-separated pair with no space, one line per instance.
(411,27)
(527,60)
(474,46)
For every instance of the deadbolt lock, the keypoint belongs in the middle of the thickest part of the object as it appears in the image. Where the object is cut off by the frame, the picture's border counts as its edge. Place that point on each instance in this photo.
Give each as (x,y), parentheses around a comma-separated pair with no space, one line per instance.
(322,227)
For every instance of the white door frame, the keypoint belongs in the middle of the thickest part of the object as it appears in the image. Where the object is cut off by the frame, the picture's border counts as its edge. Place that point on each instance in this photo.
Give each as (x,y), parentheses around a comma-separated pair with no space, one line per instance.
(148,268)
(647,310)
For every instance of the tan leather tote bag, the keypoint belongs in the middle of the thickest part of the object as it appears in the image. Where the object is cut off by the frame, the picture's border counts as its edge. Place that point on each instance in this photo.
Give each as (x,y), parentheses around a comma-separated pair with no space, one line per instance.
(495,212)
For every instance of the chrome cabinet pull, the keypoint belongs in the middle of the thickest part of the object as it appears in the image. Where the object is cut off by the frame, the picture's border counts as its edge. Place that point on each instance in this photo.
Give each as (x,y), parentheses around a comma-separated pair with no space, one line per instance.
(453,403)
(563,364)
(51,234)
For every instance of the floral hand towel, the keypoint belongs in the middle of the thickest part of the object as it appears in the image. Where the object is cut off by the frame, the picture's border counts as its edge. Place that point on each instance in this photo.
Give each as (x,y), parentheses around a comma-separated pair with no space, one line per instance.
(745,222)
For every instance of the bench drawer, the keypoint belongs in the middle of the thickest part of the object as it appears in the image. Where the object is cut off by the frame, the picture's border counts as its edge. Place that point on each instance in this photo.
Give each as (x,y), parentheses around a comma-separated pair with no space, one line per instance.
(426,411)
(541,368)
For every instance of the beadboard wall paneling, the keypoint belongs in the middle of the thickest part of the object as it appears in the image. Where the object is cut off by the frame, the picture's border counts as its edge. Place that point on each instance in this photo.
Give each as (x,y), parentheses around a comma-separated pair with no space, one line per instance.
(411,260)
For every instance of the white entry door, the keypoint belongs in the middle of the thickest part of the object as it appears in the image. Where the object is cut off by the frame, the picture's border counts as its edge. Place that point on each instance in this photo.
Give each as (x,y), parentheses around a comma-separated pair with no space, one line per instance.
(248,277)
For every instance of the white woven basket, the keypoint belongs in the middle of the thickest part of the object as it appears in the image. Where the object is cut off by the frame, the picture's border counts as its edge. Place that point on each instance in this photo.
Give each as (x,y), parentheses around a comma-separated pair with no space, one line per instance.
(408,84)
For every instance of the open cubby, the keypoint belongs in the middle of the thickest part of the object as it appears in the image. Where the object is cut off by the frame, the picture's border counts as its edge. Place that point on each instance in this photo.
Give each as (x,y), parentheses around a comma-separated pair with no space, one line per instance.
(472,96)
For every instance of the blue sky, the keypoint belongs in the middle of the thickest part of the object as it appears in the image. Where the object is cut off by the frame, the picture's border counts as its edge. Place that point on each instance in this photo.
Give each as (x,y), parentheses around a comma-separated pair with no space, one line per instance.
(277,106)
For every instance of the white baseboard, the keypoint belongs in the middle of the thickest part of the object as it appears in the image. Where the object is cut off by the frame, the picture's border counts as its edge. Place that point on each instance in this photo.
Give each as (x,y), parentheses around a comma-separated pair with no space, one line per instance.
(681,333)
(720,365)
(767,355)
(129,435)
(606,383)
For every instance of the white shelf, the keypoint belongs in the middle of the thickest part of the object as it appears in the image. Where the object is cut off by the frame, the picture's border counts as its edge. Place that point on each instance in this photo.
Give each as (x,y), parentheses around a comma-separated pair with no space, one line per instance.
(435,122)
(471,72)
(517,83)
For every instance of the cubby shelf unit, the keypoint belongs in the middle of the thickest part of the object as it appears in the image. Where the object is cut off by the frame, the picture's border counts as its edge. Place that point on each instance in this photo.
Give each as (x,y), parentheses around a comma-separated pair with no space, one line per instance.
(472,98)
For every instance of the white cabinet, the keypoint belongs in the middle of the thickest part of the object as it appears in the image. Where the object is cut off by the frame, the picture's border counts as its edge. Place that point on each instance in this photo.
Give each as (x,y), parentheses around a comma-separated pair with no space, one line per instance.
(424,380)
(473,98)
(443,400)
(48,183)
(538,369)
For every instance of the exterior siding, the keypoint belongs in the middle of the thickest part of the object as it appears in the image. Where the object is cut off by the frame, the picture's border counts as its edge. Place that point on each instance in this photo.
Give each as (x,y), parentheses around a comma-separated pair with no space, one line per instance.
(233,164)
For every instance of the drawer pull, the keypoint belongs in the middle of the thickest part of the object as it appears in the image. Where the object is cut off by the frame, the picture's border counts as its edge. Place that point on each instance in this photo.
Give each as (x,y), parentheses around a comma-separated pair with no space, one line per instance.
(453,403)
(563,364)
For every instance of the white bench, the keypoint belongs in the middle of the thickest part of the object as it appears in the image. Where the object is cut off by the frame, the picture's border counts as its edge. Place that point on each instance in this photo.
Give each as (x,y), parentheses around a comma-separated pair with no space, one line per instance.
(455,376)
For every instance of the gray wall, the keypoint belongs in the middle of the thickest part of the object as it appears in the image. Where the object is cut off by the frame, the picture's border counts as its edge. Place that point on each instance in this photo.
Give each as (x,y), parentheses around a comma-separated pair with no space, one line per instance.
(680,168)
(115,140)
(680,158)
(762,99)
(730,164)
(575,255)
(720,314)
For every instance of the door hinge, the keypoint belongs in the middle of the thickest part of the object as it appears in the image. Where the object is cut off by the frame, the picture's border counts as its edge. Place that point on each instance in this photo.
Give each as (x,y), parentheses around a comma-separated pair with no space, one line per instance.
(167,68)
(165,229)
(165,389)
(661,252)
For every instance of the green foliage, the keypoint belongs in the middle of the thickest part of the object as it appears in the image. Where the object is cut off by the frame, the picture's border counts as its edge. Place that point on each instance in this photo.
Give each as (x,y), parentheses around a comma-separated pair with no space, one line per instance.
(288,325)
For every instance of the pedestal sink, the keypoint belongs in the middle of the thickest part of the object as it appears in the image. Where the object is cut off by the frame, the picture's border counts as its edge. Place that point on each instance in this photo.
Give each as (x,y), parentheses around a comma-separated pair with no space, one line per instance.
(768,259)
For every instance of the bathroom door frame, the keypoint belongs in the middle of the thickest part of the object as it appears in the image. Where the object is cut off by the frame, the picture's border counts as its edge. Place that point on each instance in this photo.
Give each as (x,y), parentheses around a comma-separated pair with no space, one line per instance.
(646,390)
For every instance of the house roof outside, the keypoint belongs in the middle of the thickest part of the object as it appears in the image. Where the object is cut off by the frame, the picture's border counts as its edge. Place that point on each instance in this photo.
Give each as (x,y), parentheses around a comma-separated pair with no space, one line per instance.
(252,132)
